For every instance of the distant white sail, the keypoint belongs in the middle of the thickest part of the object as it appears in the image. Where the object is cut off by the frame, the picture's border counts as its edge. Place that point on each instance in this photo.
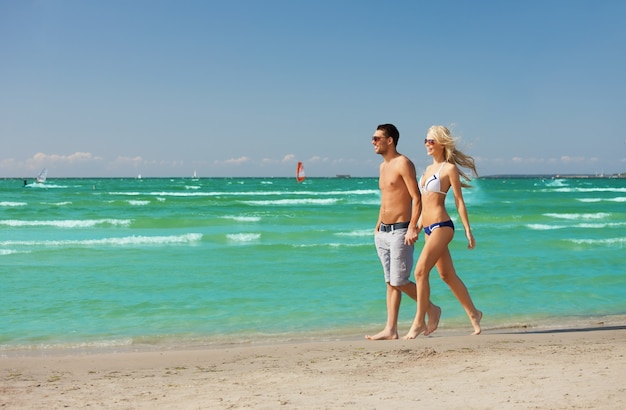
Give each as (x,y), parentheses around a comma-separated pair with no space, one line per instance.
(41,178)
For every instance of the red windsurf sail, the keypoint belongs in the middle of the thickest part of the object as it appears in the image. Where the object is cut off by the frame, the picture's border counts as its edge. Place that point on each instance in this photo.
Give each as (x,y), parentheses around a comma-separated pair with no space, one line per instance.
(300,172)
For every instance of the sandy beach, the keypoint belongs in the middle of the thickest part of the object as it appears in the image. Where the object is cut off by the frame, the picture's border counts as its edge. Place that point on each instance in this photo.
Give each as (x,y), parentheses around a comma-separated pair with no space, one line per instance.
(556,369)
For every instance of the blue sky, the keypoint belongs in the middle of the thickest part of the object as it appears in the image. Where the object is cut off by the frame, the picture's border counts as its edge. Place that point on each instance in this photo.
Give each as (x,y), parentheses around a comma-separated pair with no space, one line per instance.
(248,88)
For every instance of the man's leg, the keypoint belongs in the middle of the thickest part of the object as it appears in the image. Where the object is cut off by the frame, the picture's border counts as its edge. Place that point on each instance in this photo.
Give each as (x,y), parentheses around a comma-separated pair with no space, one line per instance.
(390,332)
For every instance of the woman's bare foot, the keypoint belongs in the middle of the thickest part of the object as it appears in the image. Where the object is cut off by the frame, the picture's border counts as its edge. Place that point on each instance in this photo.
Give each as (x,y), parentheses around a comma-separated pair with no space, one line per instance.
(475,319)
(383,335)
(433,320)
(414,332)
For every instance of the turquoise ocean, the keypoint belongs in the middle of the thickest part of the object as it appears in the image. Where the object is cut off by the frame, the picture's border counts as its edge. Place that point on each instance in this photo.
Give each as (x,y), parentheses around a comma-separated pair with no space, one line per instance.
(178,262)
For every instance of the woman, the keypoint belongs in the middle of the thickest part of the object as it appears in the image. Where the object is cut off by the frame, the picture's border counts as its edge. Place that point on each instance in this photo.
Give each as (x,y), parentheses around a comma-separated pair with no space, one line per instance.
(438,227)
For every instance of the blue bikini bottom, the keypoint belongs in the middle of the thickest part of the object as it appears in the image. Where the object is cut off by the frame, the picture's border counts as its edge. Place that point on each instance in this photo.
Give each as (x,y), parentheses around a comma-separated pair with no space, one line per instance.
(429,229)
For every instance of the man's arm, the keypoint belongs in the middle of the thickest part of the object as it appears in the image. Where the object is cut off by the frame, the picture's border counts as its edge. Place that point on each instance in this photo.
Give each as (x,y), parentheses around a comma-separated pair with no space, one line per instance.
(410,180)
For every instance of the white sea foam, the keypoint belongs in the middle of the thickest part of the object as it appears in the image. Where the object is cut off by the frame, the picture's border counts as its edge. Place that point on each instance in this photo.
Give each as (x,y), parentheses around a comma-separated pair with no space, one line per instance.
(555,183)
(95,344)
(138,203)
(593,189)
(370,202)
(606,241)
(12,204)
(283,202)
(67,223)
(250,193)
(600,225)
(121,241)
(45,186)
(543,227)
(164,194)
(617,199)
(331,244)
(599,215)
(243,237)
(242,218)
(8,252)
(357,233)
(125,193)
(150,240)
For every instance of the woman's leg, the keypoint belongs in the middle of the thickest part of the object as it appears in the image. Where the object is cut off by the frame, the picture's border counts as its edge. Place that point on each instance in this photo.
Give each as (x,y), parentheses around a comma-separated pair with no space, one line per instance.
(434,247)
(447,272)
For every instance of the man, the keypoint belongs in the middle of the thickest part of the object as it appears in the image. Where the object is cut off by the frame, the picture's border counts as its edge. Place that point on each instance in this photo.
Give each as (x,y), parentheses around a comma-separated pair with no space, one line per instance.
(396,230)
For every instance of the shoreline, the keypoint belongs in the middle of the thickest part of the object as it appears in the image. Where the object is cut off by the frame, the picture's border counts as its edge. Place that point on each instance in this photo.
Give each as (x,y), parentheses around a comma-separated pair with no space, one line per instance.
(558,368)
(139,343)
(128,344)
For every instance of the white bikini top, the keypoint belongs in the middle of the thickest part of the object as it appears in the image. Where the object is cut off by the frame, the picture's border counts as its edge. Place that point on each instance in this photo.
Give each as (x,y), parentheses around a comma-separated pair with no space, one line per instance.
(433,184)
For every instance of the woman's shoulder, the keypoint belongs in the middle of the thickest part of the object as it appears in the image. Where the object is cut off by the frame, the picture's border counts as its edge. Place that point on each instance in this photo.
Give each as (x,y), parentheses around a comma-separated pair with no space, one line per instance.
(449,173)
(449,167)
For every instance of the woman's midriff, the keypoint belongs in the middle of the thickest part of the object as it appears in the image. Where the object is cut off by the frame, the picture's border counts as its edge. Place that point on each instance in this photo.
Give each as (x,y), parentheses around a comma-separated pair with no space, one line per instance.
(433,209)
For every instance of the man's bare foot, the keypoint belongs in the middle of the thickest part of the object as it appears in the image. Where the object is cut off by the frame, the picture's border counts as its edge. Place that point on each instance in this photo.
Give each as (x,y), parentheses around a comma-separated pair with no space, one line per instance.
(383,335)
(433,320)
(414,332)
(475,319)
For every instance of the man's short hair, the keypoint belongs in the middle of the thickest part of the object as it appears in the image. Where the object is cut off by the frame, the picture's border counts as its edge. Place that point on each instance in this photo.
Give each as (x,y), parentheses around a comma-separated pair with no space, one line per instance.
(390,130)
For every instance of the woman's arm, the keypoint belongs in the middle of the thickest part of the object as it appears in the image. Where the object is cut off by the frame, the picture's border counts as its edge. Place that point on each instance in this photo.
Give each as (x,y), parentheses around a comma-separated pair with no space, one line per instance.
(455,182)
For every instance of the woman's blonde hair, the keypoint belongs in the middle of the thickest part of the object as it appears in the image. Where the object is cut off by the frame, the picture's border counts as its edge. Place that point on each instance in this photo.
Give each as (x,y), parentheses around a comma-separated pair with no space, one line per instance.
(444,137)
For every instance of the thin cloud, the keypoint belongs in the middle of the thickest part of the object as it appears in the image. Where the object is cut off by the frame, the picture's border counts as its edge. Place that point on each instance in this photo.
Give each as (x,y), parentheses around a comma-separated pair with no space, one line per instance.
(9,163)
(129,160)
(234,161)
(317,159)
(289,158)
(41,158)
(567,159)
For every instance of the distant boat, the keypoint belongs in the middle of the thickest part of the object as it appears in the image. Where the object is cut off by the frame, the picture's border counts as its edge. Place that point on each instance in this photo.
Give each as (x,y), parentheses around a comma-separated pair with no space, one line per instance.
(300,172)
(343,175)
(139,176)
(195,176)
(43,175)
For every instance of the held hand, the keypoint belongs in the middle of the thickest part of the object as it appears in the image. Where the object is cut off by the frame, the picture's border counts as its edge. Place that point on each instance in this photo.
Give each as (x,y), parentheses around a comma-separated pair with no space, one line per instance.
(411,236)
(471,243)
